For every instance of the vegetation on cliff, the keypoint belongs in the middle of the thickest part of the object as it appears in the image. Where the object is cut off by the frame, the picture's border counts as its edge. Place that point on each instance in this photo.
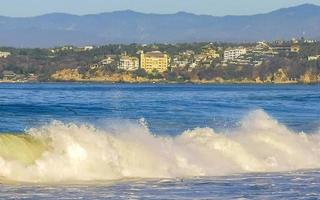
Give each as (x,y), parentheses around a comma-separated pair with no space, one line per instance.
(72,64)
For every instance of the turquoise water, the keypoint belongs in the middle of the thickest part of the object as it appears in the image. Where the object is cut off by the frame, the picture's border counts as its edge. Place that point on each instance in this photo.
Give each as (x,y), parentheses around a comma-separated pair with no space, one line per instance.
(119,141)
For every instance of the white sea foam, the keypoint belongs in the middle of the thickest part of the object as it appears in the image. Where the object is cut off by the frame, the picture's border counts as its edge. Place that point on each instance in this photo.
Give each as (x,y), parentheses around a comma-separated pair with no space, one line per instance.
(68,152)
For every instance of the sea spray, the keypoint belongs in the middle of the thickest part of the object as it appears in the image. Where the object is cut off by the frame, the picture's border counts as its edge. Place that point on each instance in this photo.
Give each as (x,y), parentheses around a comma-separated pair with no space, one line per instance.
(68,152)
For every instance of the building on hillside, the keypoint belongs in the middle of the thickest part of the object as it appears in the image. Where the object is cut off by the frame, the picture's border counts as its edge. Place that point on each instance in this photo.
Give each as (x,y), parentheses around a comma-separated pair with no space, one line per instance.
(231,54)
(66,48)
(95,66)
(187,53)
(311,58)
(84,48)
(183,59)
(263,48)
(251,56)
(106,61)
(281,48)
(8,75)
(128,63)
(199,58)
(210,53)
(109,59)
(4,54)
(59,49)
(88,48)
(32,77)
(287,47)
(295,47)
(179,62)
(310,41)
(154,61)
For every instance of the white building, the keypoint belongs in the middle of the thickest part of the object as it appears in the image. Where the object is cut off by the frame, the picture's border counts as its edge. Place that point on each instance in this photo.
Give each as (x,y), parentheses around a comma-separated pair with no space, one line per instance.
(88,48)
(66,48)
(129,63)
(4,54)
(310,41)
(232,54)
(108,60)
(310,58)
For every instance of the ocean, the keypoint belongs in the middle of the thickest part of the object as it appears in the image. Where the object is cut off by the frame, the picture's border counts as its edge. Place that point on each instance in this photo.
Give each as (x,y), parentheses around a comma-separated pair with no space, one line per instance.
(159,141)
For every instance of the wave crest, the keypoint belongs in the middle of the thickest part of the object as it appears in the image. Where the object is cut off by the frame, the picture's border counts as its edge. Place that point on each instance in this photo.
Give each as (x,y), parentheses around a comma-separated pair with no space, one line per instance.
(68,152)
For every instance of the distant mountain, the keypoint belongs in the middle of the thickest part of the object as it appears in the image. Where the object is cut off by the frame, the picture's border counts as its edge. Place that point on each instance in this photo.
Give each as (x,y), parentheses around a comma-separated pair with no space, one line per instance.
(132,27)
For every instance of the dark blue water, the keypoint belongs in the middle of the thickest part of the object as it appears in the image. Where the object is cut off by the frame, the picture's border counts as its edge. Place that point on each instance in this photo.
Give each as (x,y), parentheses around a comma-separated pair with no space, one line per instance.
(168,109)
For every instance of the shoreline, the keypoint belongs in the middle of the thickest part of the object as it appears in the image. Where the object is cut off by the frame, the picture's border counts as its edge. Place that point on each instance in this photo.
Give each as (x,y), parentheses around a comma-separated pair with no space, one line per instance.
(164,82)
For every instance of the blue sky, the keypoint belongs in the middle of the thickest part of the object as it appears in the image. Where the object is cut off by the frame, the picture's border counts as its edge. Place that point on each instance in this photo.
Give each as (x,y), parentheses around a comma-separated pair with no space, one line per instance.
(212,7)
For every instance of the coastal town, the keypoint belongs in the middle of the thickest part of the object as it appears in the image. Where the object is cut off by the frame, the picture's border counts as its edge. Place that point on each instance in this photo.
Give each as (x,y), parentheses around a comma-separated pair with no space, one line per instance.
(294,61)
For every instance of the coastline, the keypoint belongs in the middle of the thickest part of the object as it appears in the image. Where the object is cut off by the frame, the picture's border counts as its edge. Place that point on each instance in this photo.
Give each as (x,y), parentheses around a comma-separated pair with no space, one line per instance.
(205,82)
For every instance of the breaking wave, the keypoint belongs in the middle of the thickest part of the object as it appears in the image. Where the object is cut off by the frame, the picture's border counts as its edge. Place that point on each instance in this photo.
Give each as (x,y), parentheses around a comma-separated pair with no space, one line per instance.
(68,152)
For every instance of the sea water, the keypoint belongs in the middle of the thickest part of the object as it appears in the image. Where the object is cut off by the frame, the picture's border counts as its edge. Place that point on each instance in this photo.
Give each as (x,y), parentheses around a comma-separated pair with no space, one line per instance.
(159,141)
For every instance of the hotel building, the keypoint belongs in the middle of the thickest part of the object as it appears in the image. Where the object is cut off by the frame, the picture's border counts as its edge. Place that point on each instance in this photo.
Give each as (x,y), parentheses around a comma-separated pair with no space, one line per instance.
(154,61)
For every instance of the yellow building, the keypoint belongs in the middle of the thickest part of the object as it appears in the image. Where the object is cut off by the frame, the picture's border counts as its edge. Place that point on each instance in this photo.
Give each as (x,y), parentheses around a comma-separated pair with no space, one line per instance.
(154,61)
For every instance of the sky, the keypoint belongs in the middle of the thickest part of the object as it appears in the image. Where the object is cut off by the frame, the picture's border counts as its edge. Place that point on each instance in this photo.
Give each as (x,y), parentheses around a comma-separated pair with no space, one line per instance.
(22,8)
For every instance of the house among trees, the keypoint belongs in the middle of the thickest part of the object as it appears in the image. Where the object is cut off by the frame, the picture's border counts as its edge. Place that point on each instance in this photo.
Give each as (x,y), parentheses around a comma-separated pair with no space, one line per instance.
(8,75)
(4,54)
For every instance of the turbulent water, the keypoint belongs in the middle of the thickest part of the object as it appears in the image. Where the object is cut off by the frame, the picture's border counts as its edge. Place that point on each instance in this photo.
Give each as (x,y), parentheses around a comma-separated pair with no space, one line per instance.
(134,141)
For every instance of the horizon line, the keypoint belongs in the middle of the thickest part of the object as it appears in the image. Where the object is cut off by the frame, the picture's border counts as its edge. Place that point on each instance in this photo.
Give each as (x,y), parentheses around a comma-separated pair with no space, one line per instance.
(154,13)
